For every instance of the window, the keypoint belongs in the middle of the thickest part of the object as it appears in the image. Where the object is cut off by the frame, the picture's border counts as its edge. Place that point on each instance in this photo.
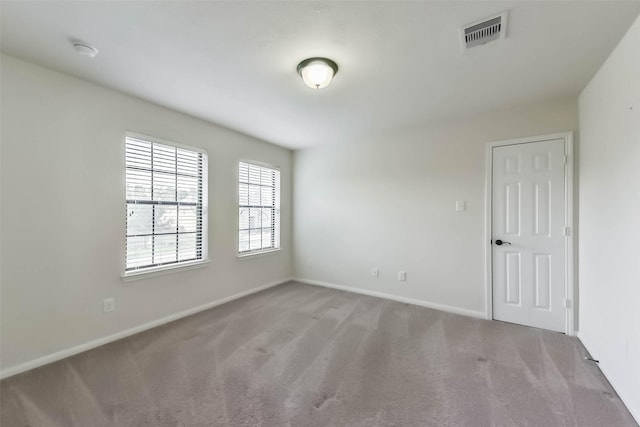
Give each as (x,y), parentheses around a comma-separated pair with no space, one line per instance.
(166,191)
(259,209)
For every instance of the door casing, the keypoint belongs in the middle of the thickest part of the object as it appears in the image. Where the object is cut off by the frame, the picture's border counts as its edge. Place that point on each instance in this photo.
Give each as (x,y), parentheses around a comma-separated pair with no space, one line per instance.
(569,237)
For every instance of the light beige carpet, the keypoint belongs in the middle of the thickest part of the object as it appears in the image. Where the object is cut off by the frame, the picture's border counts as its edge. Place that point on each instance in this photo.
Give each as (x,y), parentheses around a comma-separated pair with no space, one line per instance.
(299,355)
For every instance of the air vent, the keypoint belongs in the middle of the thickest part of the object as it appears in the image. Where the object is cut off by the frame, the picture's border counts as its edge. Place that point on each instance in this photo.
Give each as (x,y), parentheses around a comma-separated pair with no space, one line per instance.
(483,32)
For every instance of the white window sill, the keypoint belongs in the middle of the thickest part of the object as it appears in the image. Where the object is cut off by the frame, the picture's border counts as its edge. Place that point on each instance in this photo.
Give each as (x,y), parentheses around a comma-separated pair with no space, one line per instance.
(260,253)
(162,271)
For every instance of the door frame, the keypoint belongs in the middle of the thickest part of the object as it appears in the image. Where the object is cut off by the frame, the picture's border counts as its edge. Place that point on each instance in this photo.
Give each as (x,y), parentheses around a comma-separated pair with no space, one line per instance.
(569,285)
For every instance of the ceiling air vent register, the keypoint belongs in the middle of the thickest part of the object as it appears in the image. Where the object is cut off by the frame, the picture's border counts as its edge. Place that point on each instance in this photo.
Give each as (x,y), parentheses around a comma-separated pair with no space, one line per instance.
(485,31)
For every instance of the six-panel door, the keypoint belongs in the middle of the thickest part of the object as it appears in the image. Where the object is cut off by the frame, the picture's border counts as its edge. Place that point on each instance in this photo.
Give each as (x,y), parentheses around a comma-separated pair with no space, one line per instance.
(528,215)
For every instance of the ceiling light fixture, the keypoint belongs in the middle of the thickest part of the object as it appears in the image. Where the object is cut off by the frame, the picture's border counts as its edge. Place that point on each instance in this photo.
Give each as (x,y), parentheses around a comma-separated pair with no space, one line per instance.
(317,72)
(84,49)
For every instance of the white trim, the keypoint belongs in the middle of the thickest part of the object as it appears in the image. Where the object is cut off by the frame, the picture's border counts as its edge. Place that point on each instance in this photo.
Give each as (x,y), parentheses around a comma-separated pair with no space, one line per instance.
(163,270)
(246,255)
(259,163)
(569,240)
(421,303)
(635,412)
(62,354)
(148,138)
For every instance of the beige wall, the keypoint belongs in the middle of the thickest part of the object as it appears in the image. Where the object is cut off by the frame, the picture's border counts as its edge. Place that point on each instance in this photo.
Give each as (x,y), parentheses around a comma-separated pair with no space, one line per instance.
(63,214)
(610,218)
(389,203)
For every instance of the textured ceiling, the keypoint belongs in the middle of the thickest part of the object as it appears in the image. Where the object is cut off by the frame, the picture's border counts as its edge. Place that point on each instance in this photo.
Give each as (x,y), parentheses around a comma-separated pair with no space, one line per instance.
(234,63)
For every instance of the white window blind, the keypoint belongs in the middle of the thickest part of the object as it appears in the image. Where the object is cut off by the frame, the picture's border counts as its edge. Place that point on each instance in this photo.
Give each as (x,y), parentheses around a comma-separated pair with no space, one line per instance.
(166,192)
(259,208)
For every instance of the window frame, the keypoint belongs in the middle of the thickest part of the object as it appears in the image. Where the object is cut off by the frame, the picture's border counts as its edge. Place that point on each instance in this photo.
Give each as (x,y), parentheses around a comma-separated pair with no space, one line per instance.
(159,270)
(277,211)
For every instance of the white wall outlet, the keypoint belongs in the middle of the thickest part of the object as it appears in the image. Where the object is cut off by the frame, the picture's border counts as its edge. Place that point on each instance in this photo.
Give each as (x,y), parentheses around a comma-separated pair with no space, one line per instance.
(375,272)
(402,276)
(108,305)
(460,205)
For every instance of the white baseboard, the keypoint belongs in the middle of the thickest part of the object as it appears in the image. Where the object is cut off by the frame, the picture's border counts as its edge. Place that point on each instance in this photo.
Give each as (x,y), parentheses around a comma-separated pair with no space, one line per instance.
(62,354)
(635,411)
(436,306)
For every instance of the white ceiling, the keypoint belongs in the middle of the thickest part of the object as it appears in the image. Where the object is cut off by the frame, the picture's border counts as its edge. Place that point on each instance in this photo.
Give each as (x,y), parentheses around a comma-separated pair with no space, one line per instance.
(234,63)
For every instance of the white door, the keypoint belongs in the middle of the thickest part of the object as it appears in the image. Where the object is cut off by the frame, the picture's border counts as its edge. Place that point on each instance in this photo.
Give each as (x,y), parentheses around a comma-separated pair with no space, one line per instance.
(528,222)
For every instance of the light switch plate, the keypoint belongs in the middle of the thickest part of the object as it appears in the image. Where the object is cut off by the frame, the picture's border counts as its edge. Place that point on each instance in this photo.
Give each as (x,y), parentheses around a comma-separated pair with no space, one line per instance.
(460,205)
(108,305)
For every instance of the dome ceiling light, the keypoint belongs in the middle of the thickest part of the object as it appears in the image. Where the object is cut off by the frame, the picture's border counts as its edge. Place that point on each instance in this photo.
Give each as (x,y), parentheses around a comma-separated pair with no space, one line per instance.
(317,72)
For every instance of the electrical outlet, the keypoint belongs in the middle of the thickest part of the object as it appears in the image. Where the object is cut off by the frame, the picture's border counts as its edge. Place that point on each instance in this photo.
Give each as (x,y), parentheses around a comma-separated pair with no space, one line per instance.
(108,305)
(375,272)
(402,276)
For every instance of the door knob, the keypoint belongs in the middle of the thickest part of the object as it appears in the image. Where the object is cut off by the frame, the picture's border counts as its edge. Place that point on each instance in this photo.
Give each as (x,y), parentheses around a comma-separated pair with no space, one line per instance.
(502,242)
